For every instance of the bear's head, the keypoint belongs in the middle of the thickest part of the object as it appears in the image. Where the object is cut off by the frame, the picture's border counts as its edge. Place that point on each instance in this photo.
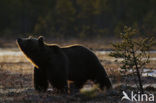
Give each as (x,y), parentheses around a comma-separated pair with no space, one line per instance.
(31,47)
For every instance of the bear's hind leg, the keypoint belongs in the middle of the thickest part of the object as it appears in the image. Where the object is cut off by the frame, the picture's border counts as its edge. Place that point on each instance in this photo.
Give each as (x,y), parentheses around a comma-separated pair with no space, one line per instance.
(40,81)
(103,81)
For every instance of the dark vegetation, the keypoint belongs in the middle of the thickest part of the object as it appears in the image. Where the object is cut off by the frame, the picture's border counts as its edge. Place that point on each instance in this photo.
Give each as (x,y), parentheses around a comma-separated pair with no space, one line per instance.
(76,18)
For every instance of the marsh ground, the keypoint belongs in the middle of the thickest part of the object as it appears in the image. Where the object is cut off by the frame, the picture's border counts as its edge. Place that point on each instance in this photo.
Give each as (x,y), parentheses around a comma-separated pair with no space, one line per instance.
(16,83)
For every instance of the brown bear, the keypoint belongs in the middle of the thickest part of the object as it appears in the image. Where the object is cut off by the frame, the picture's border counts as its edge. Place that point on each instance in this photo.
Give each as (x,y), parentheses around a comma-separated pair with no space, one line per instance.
(56,65)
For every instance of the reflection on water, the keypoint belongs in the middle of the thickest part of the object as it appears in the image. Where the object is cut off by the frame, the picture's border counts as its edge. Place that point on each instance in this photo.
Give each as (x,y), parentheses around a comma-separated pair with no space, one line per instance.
(107,52)
(149,72)
(113,59)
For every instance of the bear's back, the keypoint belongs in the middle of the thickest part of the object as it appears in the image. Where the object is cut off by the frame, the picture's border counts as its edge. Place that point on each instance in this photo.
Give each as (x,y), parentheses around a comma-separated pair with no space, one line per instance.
(78,53)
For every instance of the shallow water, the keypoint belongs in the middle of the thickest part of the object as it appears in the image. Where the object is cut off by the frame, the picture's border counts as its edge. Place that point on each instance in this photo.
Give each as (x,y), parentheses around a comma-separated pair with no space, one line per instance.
(113,59)
(149,72)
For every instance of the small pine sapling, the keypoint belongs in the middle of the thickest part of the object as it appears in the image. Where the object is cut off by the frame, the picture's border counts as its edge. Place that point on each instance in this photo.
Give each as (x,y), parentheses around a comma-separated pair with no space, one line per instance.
(134,53)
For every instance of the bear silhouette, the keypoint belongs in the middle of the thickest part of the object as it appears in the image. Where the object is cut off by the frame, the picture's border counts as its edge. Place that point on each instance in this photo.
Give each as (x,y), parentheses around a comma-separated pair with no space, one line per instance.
(56,65)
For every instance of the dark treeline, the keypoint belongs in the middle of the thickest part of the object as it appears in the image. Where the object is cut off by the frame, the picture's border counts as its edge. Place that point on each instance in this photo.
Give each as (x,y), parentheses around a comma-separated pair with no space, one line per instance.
(76,18)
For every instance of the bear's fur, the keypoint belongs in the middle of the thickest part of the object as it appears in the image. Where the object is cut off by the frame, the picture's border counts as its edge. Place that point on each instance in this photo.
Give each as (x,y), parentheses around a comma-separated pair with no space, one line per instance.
(56,65)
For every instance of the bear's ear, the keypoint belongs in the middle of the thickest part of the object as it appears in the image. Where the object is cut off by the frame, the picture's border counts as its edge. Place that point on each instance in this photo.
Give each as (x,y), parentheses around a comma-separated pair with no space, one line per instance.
(40,40)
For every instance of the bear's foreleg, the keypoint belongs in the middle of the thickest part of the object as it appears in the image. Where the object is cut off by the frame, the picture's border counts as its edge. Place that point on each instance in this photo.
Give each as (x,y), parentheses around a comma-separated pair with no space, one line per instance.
(40,81)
